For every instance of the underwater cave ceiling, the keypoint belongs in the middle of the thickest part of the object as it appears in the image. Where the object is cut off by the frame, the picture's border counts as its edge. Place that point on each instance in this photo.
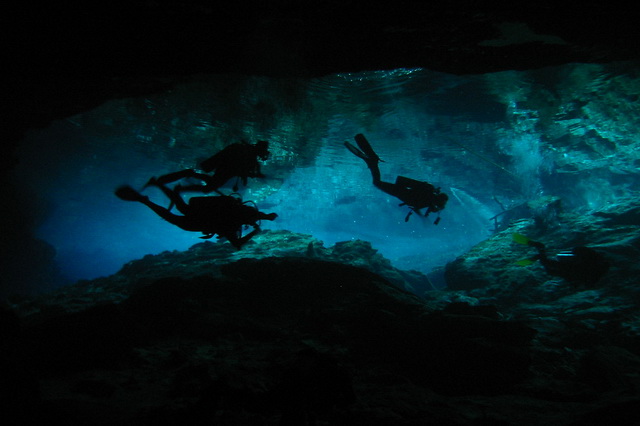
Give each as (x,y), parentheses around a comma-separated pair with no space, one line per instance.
(70,63)
(65,59)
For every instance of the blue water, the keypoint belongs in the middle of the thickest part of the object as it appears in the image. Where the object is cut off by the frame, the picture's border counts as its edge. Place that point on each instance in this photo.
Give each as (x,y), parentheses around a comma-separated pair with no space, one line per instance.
(471,135)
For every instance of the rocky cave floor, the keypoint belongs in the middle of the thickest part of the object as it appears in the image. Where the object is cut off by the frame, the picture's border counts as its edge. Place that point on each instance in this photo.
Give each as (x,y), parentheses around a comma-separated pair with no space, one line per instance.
(289,332)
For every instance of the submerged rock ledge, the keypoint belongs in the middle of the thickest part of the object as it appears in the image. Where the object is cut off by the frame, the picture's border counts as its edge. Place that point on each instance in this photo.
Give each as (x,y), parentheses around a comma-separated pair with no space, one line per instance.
(206,259)
(288,332)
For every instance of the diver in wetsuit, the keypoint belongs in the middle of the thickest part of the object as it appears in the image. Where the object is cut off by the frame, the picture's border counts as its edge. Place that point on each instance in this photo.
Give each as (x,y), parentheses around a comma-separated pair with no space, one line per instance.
(579,265)
(223,215)
(236,160)
(413,193)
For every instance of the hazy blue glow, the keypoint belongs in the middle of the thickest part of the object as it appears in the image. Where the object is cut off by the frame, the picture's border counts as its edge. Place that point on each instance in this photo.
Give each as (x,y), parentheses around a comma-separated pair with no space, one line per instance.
(482,138)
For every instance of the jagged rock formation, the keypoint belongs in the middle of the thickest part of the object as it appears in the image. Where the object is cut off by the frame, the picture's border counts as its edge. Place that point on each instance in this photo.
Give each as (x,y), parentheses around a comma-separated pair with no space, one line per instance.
(282,339)
(207,258)
(290,332)
(588,330)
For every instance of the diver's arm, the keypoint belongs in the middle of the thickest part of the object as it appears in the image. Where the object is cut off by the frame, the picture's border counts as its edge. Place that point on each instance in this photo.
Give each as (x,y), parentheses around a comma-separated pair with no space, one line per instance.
(257,172)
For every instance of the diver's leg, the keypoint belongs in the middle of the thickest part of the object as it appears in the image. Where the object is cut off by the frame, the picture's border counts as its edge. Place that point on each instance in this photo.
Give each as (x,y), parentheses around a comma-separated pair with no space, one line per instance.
(174,219)
(172,177)
(211,183)
(204,189)
(387,187)
(365,146)
(127,193)
(202,176)
(371,159)
(190,188)
(375,173)
(216,181)
(372,163)
(175,198)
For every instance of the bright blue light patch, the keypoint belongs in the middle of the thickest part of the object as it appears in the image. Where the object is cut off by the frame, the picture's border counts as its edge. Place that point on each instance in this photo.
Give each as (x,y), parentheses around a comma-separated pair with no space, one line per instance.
(491,142)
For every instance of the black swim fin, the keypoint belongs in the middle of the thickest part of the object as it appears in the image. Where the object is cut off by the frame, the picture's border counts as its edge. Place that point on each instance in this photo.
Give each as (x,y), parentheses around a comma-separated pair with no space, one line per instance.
(356,151)
(365,146)
(127,193)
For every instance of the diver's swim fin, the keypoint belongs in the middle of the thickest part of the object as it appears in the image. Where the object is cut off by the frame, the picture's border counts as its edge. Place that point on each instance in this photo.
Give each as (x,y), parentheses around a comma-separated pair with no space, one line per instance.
(365,146)
(356,151)
(127,193)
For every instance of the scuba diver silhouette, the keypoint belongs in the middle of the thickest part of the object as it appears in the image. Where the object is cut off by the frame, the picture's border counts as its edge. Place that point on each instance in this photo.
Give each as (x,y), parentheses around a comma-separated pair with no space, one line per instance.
(413,193)
(578,265)
(236,160)
(224,215)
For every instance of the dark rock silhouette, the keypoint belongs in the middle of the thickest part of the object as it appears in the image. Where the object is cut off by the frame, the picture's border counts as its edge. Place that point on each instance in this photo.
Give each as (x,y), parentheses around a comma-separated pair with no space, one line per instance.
(315,335)
(292,339)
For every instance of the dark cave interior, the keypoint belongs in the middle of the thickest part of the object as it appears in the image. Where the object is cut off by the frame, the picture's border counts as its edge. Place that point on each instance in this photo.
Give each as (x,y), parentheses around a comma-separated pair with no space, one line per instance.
(522,111)
(63,61)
